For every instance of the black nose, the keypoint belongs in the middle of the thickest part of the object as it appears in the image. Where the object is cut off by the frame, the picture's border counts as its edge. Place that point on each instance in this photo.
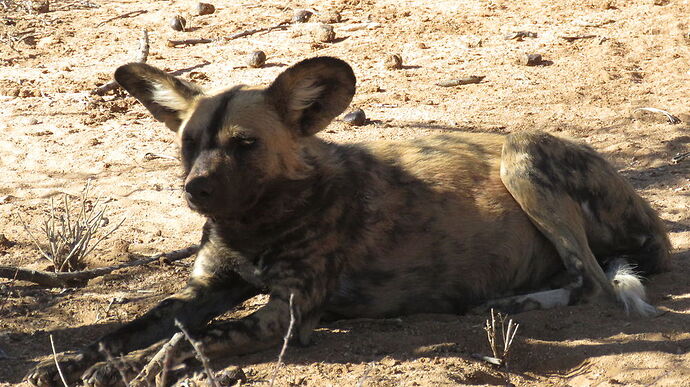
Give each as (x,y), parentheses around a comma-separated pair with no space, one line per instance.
(199,189)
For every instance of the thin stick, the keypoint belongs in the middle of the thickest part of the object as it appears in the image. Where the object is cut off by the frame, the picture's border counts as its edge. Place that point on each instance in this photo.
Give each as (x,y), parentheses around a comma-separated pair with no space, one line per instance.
(199,354)
(167,364)
(285,341)
(141,57)
(62,377)
(109,358)
(157,362)
(33,239)
(577,37)
(670,117)
(123,16)
(365,375)
(80,278)
(188,42)
(281,26)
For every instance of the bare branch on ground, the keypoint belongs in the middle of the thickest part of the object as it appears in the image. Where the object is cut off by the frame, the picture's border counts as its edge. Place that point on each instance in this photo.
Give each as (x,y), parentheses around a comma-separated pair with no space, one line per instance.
(80,278)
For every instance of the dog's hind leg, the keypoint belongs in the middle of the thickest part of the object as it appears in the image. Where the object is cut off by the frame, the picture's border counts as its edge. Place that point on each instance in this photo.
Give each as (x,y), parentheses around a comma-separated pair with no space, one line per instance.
(580,203)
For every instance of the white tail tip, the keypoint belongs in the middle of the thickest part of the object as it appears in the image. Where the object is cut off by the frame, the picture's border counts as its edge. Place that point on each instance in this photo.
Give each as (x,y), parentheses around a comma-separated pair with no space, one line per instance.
(629,289)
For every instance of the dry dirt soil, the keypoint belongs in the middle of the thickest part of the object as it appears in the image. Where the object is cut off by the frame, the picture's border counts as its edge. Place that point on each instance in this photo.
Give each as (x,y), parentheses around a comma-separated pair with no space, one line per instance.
(54,137)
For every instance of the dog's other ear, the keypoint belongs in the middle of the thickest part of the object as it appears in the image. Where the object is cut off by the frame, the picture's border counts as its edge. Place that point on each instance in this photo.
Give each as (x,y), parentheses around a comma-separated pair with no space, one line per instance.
(168,98)
(310,94)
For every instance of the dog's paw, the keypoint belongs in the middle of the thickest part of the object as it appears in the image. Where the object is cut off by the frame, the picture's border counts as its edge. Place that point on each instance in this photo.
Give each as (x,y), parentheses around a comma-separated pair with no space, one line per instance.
(72,364)
(116,372)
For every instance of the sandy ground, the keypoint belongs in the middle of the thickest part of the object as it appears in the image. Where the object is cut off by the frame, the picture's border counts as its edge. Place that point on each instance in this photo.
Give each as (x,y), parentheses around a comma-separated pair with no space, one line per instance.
(54,137)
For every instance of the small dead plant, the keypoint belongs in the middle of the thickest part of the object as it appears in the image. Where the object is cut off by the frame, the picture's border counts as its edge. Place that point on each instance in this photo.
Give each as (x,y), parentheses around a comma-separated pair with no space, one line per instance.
(70,237)
(500,350)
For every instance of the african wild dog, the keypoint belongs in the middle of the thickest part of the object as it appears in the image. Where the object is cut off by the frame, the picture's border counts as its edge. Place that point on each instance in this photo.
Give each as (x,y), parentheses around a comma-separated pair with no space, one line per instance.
(437,224)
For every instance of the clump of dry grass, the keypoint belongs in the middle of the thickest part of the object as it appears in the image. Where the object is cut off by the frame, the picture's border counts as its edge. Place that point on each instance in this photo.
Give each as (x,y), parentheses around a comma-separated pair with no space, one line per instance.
(71,235)
(500,349)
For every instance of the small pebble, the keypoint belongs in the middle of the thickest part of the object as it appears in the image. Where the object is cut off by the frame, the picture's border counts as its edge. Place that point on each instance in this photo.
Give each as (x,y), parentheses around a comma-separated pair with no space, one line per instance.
(355,117)
(42,6)
(531,60)
(4,242)
(324,33)
(205,9)
(257,59)
(231,376)
(330,17)
(422,45)
(301,16)
(393,62)
(178,23)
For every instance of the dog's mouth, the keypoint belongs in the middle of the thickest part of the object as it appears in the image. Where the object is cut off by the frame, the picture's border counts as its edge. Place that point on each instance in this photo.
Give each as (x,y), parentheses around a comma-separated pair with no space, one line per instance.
(201,208)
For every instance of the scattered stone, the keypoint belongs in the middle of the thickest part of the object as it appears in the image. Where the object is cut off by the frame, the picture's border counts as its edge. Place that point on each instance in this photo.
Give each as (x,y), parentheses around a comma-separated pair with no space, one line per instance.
(178,23)
(205,9)
(472,41)
(257,59)
(42,6)
(422,45)
(607,4)
(355,117)
(461,81)
(393,62)
(301,16)
(330,17)
(29,121)
(231,376)
(4,242)
(324,33)
(530,60)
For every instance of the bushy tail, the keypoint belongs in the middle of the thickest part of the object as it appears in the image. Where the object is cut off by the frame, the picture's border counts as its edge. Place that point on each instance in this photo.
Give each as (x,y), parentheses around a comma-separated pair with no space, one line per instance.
(629,289)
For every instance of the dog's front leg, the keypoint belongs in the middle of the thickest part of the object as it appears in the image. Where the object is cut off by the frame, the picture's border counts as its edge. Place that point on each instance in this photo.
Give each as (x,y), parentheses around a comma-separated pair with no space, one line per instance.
(213,288)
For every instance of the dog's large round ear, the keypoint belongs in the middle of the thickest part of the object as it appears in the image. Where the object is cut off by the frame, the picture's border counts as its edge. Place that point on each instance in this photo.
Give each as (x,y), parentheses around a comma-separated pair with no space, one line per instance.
(167,97)
(310,94)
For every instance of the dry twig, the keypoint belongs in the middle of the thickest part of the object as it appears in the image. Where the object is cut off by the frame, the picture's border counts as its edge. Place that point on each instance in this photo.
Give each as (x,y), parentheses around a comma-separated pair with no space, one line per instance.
(577,37)
(462,81)
(141,57)
(501,351)
(365,375)
(285,342)
(670,117)
(57,364)
(80,278)
(199,354)
(188,42)
(109,358)
(507,336)
(282,26)
(157,362)
(123,16)
(680,157)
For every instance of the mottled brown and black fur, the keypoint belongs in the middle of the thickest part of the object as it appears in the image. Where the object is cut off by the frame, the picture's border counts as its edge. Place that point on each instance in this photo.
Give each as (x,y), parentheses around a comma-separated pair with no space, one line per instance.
(436,224)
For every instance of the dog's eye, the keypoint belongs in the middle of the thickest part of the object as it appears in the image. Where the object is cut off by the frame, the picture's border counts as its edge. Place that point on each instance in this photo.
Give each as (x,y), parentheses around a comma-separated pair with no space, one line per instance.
(247,141)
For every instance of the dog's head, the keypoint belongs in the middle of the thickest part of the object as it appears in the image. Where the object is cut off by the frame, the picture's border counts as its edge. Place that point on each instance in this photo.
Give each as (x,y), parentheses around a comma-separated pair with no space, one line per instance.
(238,142)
